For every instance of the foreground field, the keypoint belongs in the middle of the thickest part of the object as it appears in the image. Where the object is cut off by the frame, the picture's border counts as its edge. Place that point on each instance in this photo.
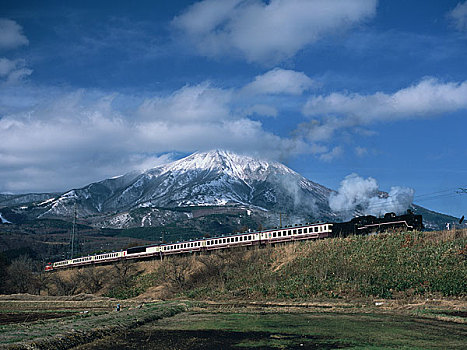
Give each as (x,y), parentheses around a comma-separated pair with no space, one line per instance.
(86,322)
(403,290)
(279,330)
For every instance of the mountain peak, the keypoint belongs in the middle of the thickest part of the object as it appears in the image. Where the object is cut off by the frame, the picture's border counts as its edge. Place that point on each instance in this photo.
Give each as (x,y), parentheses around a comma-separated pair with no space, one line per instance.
(227,162)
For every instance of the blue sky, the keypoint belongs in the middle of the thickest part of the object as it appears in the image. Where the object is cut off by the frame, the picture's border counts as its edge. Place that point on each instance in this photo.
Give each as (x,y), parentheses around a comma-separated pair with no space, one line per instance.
(330,88)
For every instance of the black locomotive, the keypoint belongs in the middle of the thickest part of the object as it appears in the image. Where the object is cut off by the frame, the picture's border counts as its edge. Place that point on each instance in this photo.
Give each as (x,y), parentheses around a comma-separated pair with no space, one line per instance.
(371,224)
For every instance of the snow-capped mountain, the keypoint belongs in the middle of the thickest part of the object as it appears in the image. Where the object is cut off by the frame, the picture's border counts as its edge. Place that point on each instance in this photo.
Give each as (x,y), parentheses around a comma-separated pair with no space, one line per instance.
(214,178)
(220,180)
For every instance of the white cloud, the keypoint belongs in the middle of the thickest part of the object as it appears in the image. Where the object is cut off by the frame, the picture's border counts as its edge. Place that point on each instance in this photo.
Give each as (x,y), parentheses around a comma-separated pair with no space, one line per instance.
(11,34)
(6,66)
(343,110)
(263,110)
(337,116)
(279,81)
(13,71)
(458,16)
(191,103)
(332,154)
(429,97)
(267,32)
(59,140)
(361,151)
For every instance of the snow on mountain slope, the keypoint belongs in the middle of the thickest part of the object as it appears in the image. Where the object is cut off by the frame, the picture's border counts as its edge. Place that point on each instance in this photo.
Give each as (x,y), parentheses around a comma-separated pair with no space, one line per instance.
(216,178)
(204,178)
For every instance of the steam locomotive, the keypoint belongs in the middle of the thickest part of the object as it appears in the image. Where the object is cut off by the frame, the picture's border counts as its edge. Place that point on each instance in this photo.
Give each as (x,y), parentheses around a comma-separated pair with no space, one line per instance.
(371,224)
(358,226)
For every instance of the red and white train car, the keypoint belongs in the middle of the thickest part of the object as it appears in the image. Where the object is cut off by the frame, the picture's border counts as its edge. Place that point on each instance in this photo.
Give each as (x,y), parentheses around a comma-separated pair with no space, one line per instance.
(286,234)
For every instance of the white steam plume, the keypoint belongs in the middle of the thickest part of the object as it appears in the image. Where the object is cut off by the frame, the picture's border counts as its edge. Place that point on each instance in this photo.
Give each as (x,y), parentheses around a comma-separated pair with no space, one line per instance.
(359,195)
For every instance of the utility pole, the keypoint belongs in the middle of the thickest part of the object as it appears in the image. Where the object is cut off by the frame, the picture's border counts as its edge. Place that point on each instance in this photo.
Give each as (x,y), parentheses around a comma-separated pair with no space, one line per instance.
(73,231)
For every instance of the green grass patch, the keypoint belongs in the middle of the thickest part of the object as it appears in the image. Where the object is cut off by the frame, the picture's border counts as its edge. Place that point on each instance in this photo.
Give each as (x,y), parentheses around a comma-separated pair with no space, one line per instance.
(356,330)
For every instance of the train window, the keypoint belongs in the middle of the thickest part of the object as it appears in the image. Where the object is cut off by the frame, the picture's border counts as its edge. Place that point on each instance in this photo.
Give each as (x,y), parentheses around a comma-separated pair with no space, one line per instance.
(305,230)
(294,232)
(299,231)
(316,228)
(321,228)
(274,235)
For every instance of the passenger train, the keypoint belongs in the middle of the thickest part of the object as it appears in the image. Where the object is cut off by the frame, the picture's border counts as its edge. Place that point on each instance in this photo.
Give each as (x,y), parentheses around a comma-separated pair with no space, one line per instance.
(360,225)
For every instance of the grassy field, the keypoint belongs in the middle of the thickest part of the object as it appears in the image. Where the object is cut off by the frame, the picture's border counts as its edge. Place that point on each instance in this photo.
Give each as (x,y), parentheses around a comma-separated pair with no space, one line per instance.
(81,324)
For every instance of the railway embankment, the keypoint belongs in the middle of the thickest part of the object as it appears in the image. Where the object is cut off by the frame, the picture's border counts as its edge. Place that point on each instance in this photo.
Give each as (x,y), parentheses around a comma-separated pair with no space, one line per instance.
(392,266)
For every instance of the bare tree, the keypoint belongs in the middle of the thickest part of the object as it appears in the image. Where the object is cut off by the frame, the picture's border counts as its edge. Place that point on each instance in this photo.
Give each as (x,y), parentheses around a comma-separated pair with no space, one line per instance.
(64,285)
(21,278)
(175,270)
(123,272)
(92,279)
